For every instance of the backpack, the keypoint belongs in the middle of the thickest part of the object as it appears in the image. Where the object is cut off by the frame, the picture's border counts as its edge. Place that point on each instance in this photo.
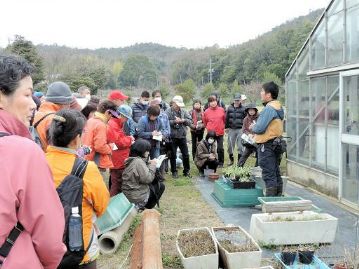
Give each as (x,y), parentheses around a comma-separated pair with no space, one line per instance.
(13,235)
(33,131)
(70,192)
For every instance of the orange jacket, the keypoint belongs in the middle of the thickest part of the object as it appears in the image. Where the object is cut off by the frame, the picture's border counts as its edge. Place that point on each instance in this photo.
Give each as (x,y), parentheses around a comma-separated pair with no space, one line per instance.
(95,193)
(45,108)
(94,135)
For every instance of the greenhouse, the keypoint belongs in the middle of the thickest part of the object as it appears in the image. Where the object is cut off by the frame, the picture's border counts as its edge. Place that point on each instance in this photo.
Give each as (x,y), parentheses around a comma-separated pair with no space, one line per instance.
(322,100)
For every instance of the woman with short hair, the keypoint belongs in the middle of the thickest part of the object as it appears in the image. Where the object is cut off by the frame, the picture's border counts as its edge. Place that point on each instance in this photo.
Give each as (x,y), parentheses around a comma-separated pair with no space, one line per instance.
(28,196)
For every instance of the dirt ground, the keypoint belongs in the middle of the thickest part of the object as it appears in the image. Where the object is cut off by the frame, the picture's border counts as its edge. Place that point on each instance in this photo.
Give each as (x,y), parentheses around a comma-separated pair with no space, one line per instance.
(181,206)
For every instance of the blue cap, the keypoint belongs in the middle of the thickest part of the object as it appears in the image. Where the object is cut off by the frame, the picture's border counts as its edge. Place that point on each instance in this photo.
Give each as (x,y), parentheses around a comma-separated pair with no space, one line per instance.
(125,111)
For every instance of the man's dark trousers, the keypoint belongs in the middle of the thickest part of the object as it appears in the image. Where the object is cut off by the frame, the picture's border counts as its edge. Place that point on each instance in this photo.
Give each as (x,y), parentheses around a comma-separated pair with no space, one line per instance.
(269,161)
(182,144)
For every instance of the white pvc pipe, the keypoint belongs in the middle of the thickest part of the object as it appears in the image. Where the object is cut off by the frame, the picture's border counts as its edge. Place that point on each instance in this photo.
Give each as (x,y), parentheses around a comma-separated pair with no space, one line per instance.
(110,241)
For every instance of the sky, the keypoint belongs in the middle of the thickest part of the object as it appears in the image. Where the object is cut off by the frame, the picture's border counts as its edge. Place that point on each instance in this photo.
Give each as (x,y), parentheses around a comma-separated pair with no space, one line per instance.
(119,23)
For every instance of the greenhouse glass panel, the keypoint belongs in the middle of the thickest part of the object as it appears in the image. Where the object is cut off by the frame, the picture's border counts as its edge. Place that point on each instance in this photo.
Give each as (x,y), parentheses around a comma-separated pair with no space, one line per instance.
(303,141)
(351,105)
(351,3)
(303,95)
(292,98)
(352,34)
(319,112)
(351,173)
(303,64)
(318,47)
(336,7)
(292,133)
(333,124)
(335,39)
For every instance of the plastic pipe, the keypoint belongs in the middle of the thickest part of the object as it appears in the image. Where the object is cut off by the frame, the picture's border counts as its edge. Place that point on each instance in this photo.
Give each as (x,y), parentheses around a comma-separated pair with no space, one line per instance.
(110,241)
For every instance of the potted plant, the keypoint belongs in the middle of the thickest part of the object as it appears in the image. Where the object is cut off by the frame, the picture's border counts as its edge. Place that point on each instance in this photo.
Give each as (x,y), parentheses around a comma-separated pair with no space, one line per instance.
(288,255)
(237,248)
(306,254)
(227,172)
(197,248)
(240,178)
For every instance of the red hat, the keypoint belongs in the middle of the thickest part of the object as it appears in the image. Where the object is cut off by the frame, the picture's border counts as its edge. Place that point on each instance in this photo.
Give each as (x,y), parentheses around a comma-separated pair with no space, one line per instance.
(117,95)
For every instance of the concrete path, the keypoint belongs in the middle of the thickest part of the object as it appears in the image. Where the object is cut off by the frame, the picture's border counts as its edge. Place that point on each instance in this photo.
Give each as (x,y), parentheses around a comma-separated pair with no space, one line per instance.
(346,235)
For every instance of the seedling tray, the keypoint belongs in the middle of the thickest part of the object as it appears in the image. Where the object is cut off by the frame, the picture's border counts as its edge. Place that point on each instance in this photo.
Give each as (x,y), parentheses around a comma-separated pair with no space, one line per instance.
(316,264)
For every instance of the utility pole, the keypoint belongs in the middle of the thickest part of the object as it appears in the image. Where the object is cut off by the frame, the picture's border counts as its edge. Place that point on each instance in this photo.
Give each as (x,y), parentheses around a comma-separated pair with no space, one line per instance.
(210,70)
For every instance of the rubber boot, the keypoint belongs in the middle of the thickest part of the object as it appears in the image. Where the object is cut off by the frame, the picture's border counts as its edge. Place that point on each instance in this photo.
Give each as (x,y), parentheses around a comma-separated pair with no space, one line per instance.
(271,191)
(239,157)
(231,160)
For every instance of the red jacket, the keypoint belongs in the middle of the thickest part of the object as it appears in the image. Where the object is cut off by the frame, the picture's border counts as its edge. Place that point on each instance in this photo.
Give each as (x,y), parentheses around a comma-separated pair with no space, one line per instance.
(214,120)
(115,134)
(94,135)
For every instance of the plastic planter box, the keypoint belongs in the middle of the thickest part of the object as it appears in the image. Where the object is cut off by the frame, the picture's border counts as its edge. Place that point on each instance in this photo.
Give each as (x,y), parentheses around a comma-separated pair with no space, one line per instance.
(238,260)
(293,228)
(209,261)
(286,204)
(226,196)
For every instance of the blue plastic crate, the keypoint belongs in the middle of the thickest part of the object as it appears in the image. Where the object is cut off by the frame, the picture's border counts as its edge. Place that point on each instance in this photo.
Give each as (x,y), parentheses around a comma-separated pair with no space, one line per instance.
(316,264)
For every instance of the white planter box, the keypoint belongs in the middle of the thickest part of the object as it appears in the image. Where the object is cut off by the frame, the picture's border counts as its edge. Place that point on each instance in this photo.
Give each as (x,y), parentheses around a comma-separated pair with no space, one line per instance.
(299,230)
(209,261)
(238,260)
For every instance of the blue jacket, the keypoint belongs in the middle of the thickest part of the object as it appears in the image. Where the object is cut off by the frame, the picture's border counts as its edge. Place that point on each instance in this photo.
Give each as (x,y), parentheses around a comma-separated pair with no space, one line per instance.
(138,110)
(130,127)
(166,124)
(144,132)
(267,115)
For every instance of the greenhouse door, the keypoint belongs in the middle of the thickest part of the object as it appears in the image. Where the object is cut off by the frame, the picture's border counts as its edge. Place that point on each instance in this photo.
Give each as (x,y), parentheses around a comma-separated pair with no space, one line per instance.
(349,138)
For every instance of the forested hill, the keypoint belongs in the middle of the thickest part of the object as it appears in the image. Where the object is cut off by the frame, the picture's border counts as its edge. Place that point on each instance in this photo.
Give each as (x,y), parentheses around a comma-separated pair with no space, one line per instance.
(151,65)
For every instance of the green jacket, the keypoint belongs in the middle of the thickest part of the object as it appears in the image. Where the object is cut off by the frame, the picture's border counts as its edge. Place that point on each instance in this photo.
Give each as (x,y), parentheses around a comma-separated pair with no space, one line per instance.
(136,179)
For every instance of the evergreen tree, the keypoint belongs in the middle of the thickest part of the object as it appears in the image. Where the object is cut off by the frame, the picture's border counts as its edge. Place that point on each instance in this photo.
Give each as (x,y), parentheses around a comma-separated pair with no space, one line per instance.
(27,50)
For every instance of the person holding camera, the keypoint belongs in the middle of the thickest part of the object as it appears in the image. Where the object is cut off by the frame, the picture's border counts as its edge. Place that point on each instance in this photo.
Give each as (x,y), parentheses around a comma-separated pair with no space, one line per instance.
(197,128)
(268,131)
(179,120)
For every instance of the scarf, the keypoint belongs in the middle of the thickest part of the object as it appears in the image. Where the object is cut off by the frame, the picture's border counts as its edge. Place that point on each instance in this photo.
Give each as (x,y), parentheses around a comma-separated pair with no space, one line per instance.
(12,126)
(100,116)
(195,115)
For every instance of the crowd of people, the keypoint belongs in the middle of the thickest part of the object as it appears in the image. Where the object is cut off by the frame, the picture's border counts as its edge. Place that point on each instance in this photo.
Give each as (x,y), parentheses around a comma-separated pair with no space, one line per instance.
(119,146)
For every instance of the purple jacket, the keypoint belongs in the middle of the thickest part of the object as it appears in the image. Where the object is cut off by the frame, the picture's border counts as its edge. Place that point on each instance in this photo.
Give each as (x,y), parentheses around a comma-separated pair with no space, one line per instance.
(28,195)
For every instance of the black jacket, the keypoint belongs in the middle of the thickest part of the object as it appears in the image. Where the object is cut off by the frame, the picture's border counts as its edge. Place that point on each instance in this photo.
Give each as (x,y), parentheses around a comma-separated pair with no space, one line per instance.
(178,130)
(235,116)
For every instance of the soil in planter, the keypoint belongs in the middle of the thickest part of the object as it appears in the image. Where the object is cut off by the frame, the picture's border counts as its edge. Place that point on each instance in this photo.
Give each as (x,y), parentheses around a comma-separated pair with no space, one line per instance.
(306,257)
(196,243)
(234,240)
(288,257)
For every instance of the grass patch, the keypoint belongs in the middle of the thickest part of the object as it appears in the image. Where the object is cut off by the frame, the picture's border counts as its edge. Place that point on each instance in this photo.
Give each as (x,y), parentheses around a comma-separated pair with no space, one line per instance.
(182,182)
(170,261)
